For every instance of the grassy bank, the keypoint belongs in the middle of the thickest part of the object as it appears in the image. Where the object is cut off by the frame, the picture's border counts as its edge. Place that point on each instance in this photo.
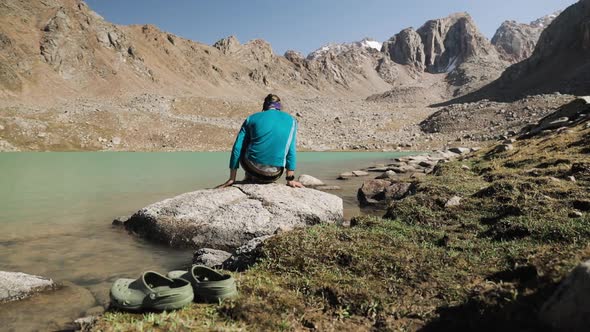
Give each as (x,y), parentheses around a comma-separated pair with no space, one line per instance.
(486,264)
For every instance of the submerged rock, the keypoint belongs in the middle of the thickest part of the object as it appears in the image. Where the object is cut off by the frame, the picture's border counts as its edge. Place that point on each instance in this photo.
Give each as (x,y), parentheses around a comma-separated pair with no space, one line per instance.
(48,311)
(17,286)
(227,218)
(328,188)
(310,181)
(346,176)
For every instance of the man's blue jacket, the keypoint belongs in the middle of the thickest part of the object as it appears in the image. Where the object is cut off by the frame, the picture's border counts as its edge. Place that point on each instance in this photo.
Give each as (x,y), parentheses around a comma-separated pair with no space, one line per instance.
(267,138)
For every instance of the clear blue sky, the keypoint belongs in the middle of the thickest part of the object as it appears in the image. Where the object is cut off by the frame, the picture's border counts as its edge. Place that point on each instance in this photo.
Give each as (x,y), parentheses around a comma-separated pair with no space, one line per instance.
(305,25)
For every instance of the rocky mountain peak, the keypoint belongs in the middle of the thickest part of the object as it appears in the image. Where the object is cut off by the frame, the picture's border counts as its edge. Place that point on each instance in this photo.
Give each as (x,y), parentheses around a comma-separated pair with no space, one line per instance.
(294,57)
(228,45)
(440,45)
(257,50)
(544,21)
(369,43)
(516,41)
(406,48)
(450,41)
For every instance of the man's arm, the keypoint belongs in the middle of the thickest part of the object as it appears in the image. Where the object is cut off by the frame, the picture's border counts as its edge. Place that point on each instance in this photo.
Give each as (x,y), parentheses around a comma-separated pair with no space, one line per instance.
(291,161)
(236,153)
(234,162)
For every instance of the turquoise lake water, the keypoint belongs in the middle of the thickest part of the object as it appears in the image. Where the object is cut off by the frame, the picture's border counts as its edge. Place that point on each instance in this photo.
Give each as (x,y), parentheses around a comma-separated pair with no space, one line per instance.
(56,208)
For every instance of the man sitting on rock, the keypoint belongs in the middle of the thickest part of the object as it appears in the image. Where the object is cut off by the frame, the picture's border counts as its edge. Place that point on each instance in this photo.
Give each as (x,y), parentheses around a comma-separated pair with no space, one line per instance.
(265,146)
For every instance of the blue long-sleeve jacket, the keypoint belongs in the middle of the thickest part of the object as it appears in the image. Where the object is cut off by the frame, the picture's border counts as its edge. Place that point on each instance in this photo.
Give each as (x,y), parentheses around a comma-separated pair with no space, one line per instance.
(267,138)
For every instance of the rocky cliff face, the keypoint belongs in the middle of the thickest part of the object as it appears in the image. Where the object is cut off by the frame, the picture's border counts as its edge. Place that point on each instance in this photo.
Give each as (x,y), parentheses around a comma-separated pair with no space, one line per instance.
(406,48)
(516,41)
(441,45)
(450,41)
(559,63)
(452,46)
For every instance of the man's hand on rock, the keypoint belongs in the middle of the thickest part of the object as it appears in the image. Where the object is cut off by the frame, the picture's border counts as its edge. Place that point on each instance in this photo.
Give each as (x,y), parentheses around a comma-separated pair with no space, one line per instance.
(232,179)
(226,184)
(295,184)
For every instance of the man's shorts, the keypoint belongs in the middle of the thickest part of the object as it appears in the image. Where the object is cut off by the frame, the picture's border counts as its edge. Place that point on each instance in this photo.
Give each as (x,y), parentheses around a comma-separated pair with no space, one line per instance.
(260,173)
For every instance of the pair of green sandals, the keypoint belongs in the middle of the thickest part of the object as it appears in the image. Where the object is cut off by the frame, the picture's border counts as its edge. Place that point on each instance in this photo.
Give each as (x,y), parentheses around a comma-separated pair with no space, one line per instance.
(153,291)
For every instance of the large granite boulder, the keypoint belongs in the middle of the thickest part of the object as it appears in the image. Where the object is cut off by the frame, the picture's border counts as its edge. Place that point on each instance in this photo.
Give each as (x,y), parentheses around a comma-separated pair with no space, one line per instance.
(227,218)
(17,286)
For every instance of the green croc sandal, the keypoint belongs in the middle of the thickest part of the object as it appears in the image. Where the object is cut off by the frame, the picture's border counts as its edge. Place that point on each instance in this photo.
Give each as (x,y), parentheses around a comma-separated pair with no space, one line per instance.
(208,285)
(152,291)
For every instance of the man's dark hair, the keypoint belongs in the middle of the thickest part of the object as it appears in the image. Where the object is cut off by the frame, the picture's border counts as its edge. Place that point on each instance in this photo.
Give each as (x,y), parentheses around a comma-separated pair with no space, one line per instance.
(269,100)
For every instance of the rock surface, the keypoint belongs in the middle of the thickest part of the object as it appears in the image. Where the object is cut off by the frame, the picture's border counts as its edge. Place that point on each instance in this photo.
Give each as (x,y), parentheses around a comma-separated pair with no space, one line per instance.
(227,218)
(578,111)
(569,307)
(379,193)
(246,255)
(17,286)
(406,48)
(372,192)
(210,257)
(453,201)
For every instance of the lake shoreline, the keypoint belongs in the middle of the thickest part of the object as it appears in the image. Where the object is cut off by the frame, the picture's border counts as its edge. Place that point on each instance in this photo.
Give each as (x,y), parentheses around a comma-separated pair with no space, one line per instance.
(75,205)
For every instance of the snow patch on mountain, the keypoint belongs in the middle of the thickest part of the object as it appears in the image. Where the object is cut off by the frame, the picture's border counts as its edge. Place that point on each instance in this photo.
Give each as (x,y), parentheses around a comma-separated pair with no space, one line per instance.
(336,49)
(545,20)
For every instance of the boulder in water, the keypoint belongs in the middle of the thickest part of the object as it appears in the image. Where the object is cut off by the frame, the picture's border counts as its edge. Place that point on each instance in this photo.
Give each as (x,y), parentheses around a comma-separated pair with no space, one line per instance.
(227,218)
(17,286)
(310,181)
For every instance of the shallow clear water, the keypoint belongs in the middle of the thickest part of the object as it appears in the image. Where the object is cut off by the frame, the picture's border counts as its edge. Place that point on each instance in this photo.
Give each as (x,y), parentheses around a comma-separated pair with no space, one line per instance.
(56,209)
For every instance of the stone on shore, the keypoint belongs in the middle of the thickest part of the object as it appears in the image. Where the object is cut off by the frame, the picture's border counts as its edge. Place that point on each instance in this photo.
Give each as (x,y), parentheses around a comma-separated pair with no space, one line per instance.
(210,257)
(568,309)
(17,286)
(227,218)
(389,175)
(346,176)
(246,255)
(372,192)
(453,201)
(398,191)
(379,193)
(460,150)
(310,181)
(504,148)
(328,188)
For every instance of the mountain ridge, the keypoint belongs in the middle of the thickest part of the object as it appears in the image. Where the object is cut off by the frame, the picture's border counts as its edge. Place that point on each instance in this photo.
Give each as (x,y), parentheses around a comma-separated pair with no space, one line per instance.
(82,54)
